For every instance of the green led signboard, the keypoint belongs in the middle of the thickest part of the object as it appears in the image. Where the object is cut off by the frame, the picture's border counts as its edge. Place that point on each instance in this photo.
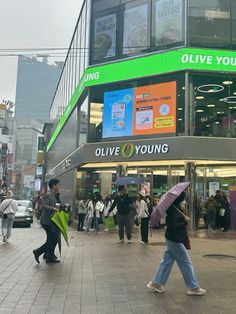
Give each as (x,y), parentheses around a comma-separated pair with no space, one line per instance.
(149,65)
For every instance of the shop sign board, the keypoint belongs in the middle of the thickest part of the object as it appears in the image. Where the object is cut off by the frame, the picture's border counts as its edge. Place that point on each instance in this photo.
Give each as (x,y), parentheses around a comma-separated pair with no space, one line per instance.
(148,65)
(129,150)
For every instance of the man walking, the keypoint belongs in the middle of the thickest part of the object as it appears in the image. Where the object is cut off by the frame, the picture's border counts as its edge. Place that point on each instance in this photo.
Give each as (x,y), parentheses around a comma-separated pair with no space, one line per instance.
(49,206)
(123,204)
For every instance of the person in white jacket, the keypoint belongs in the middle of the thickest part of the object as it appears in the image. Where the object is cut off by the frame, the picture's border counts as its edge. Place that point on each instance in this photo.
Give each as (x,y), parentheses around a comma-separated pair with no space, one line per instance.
(143,214)
(8,209)
(95,206)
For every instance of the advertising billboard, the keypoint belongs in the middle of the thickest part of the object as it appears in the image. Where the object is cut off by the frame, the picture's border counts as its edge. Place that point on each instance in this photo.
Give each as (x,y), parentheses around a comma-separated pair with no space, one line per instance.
(142,110)
(136,34)
(118,113)
(169,22)
(105,37)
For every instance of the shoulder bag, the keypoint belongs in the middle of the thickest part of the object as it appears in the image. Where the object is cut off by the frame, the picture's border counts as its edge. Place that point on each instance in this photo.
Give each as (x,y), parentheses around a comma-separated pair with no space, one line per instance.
(4,216)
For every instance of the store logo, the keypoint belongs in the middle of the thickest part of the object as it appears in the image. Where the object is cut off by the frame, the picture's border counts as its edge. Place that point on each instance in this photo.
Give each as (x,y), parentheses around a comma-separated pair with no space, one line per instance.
(127,150)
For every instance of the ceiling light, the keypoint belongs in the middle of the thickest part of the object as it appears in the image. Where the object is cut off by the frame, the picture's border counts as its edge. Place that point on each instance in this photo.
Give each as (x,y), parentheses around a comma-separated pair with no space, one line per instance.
(183,87)
(211,105)
(208,125)
(180,109)
(228,82)
(230,107)
(230,100)
(210,88)
(180,119)
(200,110)
(200,97)
(234,93)
(217,122)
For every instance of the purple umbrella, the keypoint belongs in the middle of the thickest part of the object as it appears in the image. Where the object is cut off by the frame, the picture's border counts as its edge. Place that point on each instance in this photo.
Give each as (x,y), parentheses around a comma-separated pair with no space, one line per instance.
(167,200)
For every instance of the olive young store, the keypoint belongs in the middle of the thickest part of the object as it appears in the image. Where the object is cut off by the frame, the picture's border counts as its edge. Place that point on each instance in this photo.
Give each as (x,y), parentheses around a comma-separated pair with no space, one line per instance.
(165,116)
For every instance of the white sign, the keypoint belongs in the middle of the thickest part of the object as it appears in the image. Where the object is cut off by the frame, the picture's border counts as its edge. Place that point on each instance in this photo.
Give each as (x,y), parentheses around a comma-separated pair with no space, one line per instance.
(37,185)
(213,187)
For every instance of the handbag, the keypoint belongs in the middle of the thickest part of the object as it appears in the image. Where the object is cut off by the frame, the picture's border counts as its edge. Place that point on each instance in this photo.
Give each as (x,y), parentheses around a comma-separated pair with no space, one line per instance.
(5,215)
(186,243)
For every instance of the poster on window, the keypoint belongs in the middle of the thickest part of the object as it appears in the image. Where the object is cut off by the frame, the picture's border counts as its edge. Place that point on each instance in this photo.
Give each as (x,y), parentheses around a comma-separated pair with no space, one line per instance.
(117,113)
(169,20)
(136,34)
(155,109)
(105,37)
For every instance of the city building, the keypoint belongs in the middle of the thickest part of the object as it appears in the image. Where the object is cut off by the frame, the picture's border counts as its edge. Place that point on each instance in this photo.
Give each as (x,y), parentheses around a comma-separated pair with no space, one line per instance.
(148,89)
(35,86)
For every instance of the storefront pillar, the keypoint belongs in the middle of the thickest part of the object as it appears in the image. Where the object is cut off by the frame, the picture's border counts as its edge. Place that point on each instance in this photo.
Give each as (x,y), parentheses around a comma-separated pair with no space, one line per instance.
(190,175)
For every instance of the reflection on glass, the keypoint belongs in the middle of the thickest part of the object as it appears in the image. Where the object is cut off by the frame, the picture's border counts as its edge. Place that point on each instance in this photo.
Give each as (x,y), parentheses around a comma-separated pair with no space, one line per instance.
(215,108)
(136,33)
(95,123)
(209,23)
(169,22)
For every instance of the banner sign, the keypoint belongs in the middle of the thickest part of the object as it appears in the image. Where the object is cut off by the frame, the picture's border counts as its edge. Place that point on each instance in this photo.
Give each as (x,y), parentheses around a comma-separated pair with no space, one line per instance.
(148,65)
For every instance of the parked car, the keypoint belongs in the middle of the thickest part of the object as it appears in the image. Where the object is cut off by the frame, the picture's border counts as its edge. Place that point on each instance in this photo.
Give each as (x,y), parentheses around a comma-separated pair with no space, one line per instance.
(24,214)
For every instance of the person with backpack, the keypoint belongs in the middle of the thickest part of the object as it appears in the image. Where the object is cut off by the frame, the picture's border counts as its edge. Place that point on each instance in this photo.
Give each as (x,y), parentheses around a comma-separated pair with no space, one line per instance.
(143,214)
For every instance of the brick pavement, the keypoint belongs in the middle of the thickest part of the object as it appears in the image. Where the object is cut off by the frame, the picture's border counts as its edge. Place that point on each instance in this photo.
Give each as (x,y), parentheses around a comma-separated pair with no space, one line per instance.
(99,276)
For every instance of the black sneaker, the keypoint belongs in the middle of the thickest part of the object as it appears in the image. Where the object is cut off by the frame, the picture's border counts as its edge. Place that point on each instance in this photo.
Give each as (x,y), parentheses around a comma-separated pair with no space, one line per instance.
(52,261)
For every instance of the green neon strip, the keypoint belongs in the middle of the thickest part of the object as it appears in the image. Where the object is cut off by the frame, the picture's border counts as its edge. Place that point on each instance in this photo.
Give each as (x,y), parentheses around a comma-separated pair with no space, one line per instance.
(161,63)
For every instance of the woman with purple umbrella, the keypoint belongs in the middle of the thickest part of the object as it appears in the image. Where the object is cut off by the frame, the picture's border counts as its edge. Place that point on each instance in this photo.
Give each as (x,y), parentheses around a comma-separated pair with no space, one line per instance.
(176,235)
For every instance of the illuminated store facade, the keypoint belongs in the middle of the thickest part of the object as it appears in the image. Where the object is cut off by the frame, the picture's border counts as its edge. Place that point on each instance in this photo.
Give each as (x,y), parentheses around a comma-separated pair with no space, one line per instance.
(148,89)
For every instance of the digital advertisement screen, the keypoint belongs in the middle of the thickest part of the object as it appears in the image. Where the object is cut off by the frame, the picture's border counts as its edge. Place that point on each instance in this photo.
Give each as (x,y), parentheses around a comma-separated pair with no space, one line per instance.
(142,110)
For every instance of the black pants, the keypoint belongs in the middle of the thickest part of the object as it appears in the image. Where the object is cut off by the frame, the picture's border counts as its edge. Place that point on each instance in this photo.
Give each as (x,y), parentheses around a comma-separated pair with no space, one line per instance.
(144,229)
(81,218)
(124,222)
(48,247)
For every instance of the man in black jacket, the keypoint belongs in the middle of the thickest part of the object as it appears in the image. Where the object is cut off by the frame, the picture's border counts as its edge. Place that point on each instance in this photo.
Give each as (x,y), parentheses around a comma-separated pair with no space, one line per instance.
(123,203)
(48,208)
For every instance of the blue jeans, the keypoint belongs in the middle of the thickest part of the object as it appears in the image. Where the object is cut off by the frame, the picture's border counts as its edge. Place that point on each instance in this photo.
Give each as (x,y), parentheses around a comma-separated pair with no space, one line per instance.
(96,224)
(7,225)
(176,252)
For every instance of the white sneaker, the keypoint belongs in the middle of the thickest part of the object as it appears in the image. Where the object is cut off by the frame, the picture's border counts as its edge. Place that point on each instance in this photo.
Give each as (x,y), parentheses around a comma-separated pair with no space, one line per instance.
(88,233)
(154,286)
(130,241)
(142,242)
(121,241)
(198,291)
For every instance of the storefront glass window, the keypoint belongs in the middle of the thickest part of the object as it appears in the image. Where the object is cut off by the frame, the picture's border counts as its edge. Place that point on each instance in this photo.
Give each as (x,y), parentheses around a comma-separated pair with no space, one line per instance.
(209,23)
(168,25)
(144,108)
(83,122)
(136,30)
(215,105)
(233,21)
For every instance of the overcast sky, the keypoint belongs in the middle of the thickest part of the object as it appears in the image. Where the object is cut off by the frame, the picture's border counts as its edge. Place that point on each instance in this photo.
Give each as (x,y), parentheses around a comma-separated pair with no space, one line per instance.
(32,24)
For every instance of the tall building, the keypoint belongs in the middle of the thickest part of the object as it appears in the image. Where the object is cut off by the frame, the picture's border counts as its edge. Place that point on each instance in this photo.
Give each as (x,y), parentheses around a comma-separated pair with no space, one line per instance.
(35,87)
(153,96)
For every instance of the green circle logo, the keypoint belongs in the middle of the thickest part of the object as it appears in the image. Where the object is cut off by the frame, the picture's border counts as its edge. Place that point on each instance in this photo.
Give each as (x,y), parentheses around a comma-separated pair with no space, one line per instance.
(127,150)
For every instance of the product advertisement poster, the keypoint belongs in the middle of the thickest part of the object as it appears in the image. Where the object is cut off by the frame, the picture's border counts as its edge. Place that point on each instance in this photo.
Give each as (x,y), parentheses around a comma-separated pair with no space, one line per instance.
(138,111)
(105,37)
(118,113)
(155,109)
(169,22)
(136,34)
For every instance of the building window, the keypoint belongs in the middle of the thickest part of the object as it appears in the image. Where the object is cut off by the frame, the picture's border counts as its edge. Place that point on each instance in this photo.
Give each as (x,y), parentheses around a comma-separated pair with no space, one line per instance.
(209,23)
(215,105)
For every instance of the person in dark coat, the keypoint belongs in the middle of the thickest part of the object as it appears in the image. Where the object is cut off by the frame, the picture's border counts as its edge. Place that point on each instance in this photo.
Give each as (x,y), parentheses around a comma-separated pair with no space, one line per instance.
(176,234)
(52,231)
(123,204)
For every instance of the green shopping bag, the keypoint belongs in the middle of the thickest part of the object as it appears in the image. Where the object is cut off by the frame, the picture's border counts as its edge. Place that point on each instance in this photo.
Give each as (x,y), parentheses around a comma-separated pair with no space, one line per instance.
(109,223)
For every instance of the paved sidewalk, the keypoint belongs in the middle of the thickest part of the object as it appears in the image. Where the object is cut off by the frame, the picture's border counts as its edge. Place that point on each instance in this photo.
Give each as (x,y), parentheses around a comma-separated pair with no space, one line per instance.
(97,275)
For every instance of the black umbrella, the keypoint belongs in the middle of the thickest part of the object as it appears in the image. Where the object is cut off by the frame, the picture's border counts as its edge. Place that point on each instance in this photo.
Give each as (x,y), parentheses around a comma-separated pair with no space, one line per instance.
(128,180)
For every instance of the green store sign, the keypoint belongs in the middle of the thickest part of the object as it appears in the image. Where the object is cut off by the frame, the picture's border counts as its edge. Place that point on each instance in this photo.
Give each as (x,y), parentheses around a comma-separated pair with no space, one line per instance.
(160,63)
